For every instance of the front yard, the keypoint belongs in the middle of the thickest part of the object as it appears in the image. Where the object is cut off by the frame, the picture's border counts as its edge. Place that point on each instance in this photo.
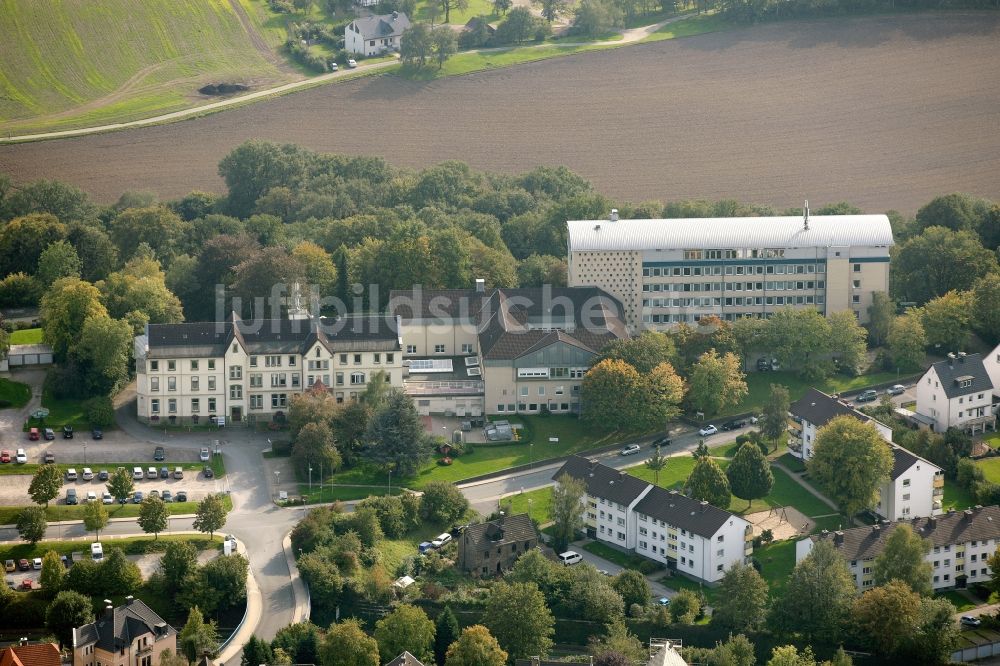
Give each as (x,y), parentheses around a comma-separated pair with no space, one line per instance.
(13,394)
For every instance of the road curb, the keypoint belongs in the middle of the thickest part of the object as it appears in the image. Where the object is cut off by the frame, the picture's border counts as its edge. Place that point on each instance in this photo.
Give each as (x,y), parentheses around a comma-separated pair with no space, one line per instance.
(303,600)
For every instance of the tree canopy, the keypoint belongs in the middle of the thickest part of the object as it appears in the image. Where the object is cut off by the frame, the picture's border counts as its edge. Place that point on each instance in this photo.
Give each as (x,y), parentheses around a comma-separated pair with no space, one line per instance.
(850,463)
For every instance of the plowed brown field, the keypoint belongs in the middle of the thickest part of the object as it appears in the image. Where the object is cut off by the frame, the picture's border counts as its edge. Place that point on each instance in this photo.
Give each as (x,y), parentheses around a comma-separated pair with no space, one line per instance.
(885,112)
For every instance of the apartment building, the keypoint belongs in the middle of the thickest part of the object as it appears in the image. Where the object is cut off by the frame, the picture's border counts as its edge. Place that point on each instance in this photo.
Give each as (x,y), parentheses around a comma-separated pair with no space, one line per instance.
(249,370)
(130,635)
(502,351)
(957,393)
(915,486)
(670,271)
(961,543)
(687,535)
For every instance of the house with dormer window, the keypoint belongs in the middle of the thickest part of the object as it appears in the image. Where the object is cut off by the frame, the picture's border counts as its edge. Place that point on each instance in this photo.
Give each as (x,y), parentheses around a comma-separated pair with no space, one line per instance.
(957,393)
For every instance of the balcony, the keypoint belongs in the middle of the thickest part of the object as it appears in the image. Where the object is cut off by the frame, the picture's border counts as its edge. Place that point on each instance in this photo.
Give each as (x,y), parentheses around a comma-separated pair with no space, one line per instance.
(454,387)
(939,480)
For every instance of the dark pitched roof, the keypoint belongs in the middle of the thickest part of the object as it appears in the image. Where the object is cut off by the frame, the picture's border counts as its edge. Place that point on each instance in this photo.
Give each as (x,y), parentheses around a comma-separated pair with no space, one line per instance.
(902,460)
(968,367)
(507,529)
(382,26)
(405,659)
(35,654)
(819,408)
(695,516)
(120,626)
(419,303)
(954,527)
(603,481)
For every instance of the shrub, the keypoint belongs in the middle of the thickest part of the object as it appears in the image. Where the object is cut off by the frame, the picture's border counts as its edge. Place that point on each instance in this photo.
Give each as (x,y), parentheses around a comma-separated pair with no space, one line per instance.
(100,412)
(648,567)
(281,6)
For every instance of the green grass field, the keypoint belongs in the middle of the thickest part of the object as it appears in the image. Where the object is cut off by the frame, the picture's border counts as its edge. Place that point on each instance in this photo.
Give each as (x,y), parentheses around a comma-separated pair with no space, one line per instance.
(693,25)
(427,9)
(991,469)
(26,336)
(16,393)
(75,63)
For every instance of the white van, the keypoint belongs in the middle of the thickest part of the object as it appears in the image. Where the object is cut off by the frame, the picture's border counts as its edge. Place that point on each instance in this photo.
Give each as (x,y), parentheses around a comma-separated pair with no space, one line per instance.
(570,557)
(97,551)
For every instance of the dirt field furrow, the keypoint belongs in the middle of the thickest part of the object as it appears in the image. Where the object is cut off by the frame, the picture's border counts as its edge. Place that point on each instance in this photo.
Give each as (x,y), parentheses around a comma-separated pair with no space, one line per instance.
(885,112)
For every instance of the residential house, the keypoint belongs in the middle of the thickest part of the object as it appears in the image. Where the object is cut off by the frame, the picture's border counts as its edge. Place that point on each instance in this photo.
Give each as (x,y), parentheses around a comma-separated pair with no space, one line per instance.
(493,547)
(405,659)
(502,351)
(915,486)
(666,272)
(961,543)
(992,363)
(129,635)
(375,35)
(249,370)
(662,652)
(687,535)
(957,393)
(31,654)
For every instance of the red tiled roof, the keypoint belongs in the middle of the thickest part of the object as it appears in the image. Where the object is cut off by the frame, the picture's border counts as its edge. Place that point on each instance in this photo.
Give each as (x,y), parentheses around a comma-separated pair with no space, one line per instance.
(37,654)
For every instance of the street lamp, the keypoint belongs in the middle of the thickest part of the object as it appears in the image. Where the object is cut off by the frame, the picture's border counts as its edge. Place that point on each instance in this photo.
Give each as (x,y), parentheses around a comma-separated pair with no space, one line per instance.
(85,453)
(390,481)
(310,478)
(529,508)
(277,482)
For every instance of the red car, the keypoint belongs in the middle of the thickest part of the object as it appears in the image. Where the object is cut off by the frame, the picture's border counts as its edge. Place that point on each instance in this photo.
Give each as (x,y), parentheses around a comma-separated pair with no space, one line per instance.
(4,456)
(24,565)
(33,434)
(27,584)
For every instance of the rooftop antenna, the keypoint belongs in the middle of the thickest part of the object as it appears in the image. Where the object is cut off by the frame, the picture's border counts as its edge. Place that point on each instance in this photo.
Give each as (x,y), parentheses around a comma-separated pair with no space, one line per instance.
(805,210)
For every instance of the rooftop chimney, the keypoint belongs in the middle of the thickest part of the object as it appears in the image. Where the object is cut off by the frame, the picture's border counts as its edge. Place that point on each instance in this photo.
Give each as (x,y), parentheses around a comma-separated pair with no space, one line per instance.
(395,15)
(838,537)
(614,215)
(480,286)
(704,505)
(23,641)
(129,599)
(805,215)
(876,528)
(968,513)
(951,359)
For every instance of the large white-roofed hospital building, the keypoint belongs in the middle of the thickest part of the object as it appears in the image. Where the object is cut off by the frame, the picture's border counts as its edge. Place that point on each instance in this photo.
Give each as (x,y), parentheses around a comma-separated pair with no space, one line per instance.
(666,272)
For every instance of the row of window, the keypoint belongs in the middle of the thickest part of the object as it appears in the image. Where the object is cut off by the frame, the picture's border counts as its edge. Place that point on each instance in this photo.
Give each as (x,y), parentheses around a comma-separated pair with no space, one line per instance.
(154,365)
(532,407)
(276,361)
(732,301)
(771,269)
(154,405)
(467,348)
(770,285)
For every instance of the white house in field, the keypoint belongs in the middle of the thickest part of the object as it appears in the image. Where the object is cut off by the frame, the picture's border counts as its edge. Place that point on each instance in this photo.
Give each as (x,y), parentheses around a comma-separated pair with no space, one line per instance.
(958,393)
(915,486)
(375,35)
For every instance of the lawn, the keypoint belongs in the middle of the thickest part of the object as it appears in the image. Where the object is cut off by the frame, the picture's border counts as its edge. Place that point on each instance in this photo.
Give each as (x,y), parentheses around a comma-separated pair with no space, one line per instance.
(694,25)
(58,69)
(961,601)
(955,496)
(26,550)
(573,435)
(536,503)
(68,411)
(624,560)
(992,440)
(679,582)
(8,514)
(26,336)
(15,393)
(785,492)
(991,469)
(428,9)
(776,561)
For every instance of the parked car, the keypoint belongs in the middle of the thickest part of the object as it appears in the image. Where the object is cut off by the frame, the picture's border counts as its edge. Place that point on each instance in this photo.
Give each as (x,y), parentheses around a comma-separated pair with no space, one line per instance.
(97,551)
(204,456)
(48,458)
(207,471)
(67,432)
(71,474)
(91,496)
(896,389)
(33,434)
(23,564)
(21,456)
(181,496)
(103,475)
(735,424)
(178,473)
(137,497)
(9,566)
(158,454)
(164,473)
(137,474)
(71,499)
(661,441)
(352,63)
(167,496)
(48,434)
(970,621)
(151,473)
(441,540)
(663,601)
(867,396)
(754,419)
(28,584)
(5,456)
(570,557)
(775,365)
(97,433)
(629,450)
(36,564)
(88,474)
(154,493)
(424,547)
(334,67)
(708,430)
(106,498)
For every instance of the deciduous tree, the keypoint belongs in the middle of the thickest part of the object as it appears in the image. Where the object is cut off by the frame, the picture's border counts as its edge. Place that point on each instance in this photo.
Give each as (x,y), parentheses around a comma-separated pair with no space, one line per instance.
(58,260)
(157,226)
(396,437)
(415,45)
(211,516)
(947,320)
(197,637)
(313,447)
(444,44)
(31,524)
(643,352)
(179,559)
(45,484)
(656,463)
(24,239)
(120,484)
(716,382)
(102,354)
(850,463)
(476,647)
(880,315)
(53,573)
(818,597)
(774,420)
(443,503)
(749,474)
(708,482)
(141,287)
(887,617)
(685,607)
(65,309)
(923,267)
(346,644)
(566,510)
(153,516)
(551,8)
(902,559)
(611,395)
(632,586)
(95,518)
(406,628)
(742,605)
(66,612)
(907,340)
(118,574)
(986,307)
(517,616)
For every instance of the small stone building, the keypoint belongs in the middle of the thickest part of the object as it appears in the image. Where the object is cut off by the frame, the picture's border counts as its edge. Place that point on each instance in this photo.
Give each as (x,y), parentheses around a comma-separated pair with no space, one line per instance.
(491,548)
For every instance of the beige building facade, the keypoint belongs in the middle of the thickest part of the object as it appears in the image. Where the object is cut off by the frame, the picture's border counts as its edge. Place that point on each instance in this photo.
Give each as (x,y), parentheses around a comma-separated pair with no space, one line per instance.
(128,635)
(670,271)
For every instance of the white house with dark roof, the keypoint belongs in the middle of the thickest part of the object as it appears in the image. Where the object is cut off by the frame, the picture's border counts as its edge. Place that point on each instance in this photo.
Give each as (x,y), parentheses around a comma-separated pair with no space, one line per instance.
(375,35)
(961,542)
(915,486)
(692,537)
(957,393)
(670,271)
(247,370)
